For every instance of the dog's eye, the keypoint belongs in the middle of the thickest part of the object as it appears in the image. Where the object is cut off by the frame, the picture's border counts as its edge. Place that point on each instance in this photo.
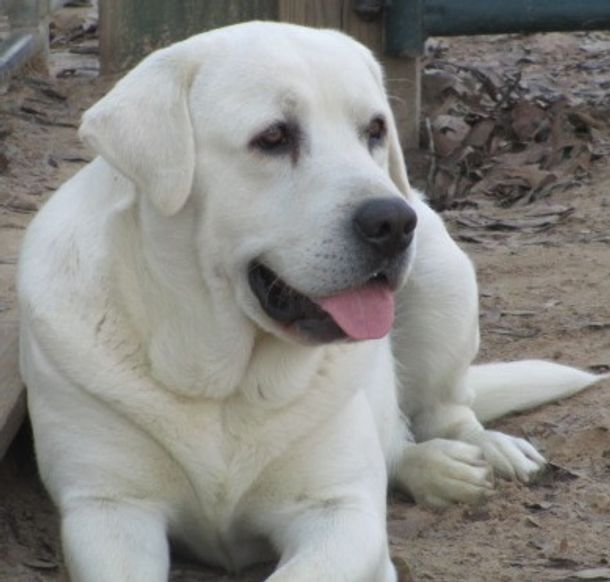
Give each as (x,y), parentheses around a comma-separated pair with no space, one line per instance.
(376,131)
(276,138)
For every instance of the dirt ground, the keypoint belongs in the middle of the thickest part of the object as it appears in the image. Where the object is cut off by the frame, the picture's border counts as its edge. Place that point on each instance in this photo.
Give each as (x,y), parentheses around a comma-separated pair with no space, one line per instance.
(540,240)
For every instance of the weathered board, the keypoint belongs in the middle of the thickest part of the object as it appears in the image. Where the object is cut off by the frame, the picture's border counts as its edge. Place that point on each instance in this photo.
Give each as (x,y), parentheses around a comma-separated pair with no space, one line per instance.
(130,29)
(12,392)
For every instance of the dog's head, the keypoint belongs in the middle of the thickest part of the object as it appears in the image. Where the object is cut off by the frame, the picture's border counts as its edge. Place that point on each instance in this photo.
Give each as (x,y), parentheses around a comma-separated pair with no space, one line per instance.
(281,140)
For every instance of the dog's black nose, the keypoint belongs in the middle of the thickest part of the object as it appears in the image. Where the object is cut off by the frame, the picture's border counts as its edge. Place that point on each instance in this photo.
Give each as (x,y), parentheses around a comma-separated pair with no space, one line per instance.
(386,224)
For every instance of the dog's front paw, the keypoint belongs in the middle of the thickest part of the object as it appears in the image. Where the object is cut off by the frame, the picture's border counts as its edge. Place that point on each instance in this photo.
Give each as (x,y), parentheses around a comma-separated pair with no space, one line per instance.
(511,457)
(439,473)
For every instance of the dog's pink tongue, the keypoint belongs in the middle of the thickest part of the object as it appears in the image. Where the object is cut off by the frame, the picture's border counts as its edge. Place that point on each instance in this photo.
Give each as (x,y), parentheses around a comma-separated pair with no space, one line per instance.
(365,313)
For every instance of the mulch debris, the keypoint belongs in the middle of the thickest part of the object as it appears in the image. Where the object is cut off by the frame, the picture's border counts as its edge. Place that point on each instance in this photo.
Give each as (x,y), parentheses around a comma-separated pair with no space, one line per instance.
(509,134)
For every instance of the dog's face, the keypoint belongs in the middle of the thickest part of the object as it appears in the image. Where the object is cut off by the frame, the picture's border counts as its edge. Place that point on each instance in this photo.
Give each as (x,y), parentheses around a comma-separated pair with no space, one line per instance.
(283,139)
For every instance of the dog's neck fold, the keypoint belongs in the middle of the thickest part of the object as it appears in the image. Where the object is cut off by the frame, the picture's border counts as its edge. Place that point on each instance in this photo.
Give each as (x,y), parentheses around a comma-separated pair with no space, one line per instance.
(198,342)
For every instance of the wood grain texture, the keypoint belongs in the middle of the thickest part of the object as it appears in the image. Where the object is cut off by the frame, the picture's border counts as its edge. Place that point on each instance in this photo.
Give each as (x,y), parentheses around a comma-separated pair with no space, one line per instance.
(12,391)
(131,29)
(316,13)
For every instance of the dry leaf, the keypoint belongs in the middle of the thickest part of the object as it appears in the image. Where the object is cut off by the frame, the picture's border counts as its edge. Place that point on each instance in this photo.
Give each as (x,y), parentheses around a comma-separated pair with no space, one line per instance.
(480,133)
(509,139)
(593,574)
(448,131)
(528,119)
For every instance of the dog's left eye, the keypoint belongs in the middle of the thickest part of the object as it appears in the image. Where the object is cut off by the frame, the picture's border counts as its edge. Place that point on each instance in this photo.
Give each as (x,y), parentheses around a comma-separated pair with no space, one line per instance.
(275,139)
(376,131)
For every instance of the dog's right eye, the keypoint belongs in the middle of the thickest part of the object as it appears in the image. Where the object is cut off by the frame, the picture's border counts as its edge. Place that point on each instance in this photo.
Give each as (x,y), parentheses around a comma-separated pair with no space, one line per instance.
(278,138)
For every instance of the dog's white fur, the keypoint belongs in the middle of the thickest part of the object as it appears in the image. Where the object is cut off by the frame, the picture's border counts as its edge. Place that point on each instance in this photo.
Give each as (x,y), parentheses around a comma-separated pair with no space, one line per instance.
(165,403)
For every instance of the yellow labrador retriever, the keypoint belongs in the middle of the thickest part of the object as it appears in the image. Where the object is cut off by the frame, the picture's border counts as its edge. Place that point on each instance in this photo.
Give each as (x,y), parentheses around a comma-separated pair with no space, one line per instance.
(208,331)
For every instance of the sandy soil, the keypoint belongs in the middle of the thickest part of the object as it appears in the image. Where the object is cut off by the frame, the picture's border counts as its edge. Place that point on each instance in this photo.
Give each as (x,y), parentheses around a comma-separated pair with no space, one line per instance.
(544,294)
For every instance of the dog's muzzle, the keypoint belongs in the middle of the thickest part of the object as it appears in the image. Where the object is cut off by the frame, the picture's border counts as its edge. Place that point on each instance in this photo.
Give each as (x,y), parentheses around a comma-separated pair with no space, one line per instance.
(363,310)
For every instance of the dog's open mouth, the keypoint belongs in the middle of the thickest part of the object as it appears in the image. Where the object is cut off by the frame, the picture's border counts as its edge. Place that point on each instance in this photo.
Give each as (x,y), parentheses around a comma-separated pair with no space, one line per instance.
(366,312)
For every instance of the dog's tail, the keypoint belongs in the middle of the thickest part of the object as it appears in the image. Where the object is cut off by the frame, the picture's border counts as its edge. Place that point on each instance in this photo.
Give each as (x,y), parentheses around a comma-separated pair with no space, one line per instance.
(504,388)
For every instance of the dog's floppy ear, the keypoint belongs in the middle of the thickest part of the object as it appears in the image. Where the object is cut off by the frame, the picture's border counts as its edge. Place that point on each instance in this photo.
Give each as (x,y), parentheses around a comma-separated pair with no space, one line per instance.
(143,128)
(397,166)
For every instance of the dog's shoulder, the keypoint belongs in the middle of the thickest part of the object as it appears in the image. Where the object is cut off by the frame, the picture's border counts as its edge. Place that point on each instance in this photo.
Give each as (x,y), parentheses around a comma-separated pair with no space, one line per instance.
(64,272)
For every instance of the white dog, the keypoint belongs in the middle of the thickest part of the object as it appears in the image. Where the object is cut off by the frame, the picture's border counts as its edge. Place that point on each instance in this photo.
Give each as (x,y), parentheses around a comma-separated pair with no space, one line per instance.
(206,311)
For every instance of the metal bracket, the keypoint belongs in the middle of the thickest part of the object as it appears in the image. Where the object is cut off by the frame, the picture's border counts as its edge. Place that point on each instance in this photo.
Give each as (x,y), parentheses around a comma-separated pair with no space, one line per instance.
(368,10)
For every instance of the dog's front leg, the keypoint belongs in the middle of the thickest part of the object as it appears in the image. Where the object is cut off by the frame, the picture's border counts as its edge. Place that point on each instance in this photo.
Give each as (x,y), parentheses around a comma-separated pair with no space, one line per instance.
(440,472)
(435,342)
(324,506)
(340,543)
(511,457)
(108,541)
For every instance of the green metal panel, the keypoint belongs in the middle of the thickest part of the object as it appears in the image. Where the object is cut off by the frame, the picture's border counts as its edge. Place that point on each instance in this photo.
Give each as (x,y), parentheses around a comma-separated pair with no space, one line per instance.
(410,22)
(403,27)
(443,17)
(133,28)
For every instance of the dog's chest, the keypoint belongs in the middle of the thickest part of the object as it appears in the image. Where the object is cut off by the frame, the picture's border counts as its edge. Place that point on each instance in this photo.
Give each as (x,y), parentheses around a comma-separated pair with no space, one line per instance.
(225,459)
(219,462)
(232,450)
(224,449)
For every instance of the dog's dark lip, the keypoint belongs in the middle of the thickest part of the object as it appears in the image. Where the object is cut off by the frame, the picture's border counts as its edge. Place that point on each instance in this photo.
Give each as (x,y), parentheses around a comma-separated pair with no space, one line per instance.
(297,313)
(291,309)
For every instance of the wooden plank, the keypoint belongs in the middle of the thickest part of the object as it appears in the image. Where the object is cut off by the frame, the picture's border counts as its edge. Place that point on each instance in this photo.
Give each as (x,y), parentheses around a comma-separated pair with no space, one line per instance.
(403,82)
(368,32)
(130,29)
(316,13)
(12,391)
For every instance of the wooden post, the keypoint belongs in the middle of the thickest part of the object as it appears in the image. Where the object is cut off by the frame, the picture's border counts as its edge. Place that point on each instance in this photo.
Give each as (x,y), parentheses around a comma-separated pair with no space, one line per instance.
(12,392)
(130,29)
(402,73)
(404,89)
